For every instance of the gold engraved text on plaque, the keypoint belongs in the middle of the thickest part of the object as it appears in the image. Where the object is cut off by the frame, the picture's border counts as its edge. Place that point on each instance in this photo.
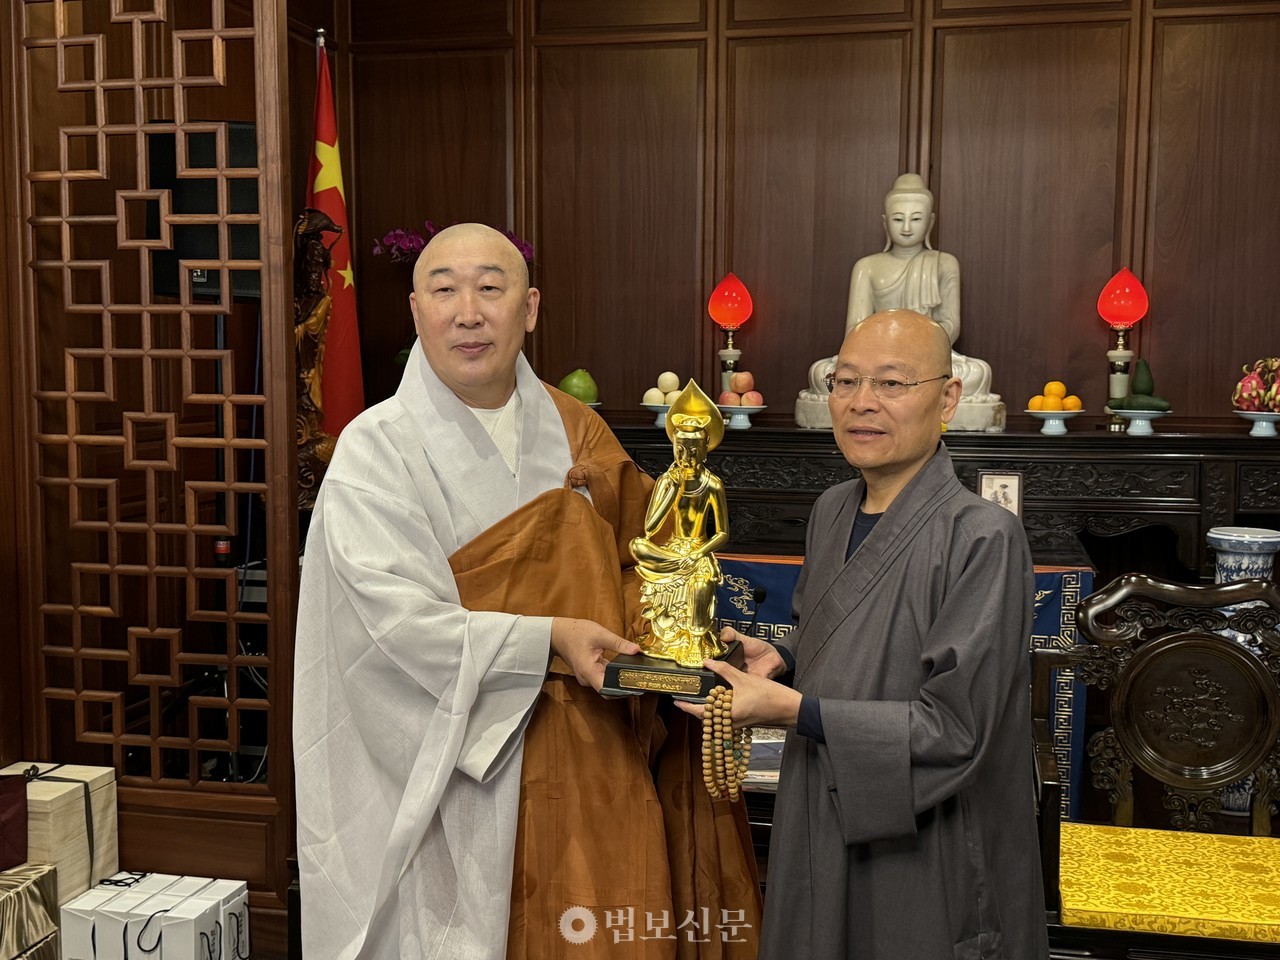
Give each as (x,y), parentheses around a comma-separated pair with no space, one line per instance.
(660,682)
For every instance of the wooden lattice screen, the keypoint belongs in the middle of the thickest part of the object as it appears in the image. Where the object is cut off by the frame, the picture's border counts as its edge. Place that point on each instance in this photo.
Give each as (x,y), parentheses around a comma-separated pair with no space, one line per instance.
(159,540)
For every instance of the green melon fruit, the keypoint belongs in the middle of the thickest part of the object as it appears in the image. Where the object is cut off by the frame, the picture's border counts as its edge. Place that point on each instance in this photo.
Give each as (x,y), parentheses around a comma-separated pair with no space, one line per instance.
(1140,401)
(1143,383)
(579,384)
(1142,392)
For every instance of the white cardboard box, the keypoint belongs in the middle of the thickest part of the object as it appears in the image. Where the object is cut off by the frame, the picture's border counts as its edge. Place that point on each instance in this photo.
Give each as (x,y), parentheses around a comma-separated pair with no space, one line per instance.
(232,899)
(139,882)
(102,916)
(78,918)
(144,930)
(57,832)
(192,930)
(186,886)
(112,921)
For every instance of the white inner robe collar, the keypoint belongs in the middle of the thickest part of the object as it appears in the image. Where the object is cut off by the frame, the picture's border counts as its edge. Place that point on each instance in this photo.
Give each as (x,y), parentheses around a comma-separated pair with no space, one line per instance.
(467,460)
(503,427)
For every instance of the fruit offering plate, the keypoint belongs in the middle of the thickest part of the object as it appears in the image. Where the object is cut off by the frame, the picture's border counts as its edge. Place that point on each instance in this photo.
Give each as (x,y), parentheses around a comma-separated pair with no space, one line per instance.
(661,410)
(1264,423)
(1140,420)
(1055,421)
(738,418)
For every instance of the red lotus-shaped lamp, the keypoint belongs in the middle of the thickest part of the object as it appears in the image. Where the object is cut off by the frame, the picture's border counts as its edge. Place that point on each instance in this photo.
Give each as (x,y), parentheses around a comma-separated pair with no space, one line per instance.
(730,304)
(1122,303)
(730,307)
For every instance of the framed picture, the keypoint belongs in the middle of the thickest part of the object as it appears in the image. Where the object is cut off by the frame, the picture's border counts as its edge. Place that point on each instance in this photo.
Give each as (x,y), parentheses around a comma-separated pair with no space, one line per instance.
(1002,488)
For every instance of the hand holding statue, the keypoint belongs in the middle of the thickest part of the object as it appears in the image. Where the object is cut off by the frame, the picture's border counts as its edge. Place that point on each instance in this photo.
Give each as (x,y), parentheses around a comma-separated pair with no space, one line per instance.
(760,658)
(582,644)
(757,700)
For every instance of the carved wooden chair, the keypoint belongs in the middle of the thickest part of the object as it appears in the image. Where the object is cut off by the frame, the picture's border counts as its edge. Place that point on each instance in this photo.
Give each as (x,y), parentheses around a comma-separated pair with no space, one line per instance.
(1191,682)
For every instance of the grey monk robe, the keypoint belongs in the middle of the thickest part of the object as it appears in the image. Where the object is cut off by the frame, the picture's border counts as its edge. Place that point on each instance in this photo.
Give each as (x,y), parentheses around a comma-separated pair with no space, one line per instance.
(910,833)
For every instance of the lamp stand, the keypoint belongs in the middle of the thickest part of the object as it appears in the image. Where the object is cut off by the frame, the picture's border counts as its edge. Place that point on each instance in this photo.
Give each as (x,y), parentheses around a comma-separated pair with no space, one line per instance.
(1118,381)
(728,361)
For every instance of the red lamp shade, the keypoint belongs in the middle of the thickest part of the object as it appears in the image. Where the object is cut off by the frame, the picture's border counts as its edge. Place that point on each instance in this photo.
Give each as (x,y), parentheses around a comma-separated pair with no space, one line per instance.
(730,303)
(1123,301)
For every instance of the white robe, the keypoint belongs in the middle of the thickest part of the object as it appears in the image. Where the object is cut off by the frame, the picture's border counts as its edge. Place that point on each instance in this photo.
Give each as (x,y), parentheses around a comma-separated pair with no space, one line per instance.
(409,710)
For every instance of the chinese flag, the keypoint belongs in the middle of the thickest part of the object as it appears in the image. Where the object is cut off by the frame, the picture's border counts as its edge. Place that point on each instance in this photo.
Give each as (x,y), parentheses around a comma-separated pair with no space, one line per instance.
(342,383)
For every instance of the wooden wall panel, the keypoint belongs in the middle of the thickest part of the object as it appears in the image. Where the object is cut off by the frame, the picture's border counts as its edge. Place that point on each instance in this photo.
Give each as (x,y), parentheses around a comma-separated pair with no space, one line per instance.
(313,13)
(1211,241)
(1210,7)
(171,842)
(433,134)
(413,21)
(943,7)
(619,181)
(1029,119)
(773,11)
(817,130)
(556,15)
(1028,135)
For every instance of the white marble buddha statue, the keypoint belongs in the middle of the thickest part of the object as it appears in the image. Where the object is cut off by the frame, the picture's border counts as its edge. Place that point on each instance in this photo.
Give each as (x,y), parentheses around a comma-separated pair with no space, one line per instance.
(910,274)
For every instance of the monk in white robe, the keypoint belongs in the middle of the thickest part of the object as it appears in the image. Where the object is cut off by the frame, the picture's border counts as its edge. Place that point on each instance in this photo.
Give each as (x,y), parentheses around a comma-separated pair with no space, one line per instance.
(455,798)
(905,824)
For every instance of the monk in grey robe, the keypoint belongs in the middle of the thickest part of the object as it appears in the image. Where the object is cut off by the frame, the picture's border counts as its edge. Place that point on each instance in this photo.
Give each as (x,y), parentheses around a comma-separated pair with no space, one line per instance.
(905,822)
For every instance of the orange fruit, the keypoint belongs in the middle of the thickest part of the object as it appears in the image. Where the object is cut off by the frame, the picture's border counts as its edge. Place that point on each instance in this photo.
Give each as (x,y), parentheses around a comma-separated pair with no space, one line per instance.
(1052,403)
(1036,403)
(1072,402)
(1055,388)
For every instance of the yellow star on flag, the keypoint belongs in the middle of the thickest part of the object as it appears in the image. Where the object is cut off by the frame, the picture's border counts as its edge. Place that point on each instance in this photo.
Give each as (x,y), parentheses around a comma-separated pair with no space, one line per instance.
(348,276)
(330,172)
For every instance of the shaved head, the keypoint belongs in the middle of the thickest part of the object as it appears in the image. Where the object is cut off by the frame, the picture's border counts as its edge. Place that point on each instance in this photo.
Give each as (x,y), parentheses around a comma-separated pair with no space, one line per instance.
(492,244)
(930,337)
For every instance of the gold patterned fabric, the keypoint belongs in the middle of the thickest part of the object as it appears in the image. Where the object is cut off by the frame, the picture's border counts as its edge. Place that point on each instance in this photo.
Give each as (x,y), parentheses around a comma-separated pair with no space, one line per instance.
(28,907)
(46,949)
(1159,881)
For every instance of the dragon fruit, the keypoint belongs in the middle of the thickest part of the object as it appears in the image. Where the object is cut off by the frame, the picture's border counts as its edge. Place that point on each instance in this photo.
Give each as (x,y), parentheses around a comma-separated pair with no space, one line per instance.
(1249,392)
(1259,388)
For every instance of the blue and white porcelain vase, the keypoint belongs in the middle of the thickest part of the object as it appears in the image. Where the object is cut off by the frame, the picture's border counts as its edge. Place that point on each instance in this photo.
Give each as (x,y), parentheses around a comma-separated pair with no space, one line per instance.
(1242,553)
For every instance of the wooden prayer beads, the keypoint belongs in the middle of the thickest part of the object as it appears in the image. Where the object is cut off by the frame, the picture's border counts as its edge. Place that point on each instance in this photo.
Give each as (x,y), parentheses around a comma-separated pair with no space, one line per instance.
(725,751)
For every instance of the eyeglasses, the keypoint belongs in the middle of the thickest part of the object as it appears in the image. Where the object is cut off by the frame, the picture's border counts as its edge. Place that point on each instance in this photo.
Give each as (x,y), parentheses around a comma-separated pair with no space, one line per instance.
(887,389)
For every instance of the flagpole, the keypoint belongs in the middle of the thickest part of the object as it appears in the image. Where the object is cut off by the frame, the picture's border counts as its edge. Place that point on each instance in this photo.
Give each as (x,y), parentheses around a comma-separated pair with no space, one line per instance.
(319,38)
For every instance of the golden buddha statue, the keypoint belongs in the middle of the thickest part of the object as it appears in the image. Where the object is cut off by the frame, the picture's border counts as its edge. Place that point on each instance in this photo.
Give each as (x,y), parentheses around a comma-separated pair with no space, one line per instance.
(679,577)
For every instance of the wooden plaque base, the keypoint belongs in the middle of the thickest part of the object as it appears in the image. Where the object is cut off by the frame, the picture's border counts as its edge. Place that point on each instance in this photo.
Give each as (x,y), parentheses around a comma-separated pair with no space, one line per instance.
(634,674)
